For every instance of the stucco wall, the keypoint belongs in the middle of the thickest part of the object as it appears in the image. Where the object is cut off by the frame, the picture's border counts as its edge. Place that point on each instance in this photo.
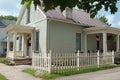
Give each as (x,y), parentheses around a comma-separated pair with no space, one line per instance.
(62,37)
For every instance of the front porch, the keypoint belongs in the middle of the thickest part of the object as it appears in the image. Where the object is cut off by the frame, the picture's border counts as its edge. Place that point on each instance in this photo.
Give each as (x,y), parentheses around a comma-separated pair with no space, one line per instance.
(104,39)
(22,37)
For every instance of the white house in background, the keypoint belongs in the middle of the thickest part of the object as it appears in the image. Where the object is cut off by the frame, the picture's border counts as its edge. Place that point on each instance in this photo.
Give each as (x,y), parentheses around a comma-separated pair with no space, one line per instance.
(3,34)
(37,31)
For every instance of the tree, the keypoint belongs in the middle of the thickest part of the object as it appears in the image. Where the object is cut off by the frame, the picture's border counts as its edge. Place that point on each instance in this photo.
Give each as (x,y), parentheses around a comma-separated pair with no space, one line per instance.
(8,17)
(90,6)
(105,20)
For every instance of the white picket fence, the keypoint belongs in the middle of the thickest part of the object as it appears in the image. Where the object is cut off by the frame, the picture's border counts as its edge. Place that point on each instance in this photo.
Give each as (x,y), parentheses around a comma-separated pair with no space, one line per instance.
(63,62)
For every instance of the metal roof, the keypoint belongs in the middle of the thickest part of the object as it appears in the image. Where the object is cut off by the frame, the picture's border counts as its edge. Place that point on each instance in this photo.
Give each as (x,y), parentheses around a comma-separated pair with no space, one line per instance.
(78,16)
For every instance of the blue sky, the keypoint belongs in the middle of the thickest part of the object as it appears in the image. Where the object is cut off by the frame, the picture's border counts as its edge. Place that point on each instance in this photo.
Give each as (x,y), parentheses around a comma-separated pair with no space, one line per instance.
(12,7)
(113,19)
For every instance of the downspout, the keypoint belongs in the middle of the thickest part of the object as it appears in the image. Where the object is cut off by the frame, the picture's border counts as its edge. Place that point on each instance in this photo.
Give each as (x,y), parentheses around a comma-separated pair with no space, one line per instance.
(22,11)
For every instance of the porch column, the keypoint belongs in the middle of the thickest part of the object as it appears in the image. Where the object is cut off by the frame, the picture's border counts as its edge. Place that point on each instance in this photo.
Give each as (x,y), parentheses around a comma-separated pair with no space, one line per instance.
(117,43)
(8,45)
(14,44)
(104,42)
(85,43)
(23,45)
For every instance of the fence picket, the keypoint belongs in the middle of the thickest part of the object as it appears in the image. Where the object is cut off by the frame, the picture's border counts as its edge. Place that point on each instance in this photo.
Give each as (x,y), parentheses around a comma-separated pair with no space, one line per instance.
(68,62)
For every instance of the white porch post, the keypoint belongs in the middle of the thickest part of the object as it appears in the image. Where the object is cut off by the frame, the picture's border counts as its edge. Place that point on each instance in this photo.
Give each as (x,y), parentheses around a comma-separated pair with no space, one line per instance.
(23,45)
(14,44)
(104,42)
(8,45)
(117,43)
(85,43)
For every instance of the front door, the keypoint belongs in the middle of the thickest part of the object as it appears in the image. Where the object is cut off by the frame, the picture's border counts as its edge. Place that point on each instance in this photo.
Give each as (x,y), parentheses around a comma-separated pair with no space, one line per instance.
(29,46)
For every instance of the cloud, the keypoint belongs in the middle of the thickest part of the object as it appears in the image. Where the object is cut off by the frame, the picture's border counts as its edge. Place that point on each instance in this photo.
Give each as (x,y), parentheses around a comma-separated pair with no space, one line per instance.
(119,23)
(110,18)
(9,7)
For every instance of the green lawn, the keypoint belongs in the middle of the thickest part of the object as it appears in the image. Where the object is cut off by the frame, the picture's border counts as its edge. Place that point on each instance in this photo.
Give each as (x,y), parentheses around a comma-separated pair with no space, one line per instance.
(47,76)
(3,77)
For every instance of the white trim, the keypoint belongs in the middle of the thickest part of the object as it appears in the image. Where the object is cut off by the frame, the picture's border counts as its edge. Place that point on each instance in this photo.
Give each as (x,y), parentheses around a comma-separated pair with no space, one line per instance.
(94,30)
(36,21)
(104,42)
(22,11)
(70,22)
(18,27)
(42,12)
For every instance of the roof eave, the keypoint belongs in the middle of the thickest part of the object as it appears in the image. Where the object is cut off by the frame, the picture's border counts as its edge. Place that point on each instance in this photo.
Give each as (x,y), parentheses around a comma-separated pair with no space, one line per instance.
(70,22)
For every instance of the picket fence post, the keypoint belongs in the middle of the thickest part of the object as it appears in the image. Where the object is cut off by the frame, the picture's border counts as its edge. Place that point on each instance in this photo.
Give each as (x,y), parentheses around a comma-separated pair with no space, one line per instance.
(33,57)
(50,62)
(98,58)
(78,56)
(113,56)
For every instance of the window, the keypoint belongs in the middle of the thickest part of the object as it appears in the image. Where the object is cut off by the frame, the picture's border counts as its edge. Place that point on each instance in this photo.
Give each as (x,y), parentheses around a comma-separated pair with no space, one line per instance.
(28,16)
(37,41)
(11,43)
(78,41)
(20,43)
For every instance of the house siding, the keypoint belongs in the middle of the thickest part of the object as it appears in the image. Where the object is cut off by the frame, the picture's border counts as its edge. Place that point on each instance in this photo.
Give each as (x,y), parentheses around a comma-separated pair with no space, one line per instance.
(37,20)
(2,36)
(92,43)
(62,37)
(42,27)
(35,15)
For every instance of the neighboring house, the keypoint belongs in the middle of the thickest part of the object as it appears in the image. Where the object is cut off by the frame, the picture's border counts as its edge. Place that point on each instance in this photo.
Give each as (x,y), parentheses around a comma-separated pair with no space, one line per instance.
(3,34)
(37,31)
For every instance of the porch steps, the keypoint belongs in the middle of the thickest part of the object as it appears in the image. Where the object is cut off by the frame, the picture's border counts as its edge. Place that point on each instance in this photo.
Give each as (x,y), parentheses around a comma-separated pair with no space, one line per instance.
(23,61)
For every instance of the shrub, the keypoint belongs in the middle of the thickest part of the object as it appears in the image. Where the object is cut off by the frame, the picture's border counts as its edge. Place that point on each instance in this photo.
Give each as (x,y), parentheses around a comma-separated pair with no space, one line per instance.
(117,58)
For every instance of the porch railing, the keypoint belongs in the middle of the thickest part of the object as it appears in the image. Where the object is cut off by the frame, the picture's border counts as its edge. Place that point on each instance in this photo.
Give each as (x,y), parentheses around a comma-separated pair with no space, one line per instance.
(19,53)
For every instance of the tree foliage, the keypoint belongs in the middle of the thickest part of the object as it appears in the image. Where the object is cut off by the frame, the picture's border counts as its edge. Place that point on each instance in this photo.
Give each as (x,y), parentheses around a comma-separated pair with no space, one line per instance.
(90,6)
(8,17)
(105,20)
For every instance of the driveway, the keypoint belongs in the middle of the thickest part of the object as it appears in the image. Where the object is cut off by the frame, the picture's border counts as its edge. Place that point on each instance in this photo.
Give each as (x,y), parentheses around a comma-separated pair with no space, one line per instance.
(110,74)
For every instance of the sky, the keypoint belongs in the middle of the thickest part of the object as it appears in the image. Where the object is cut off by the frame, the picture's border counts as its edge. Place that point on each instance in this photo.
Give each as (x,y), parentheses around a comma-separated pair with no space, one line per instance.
(12,7)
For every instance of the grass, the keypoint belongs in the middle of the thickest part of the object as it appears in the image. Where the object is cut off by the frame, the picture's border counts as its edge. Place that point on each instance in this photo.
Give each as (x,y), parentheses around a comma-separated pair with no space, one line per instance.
(69,72)
(6,61)
(3,77)
(47,76)
(30,71)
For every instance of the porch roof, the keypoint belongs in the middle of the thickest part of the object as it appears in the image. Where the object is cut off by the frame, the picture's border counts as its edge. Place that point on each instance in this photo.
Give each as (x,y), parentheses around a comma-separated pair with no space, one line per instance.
(105,29)
(19,29)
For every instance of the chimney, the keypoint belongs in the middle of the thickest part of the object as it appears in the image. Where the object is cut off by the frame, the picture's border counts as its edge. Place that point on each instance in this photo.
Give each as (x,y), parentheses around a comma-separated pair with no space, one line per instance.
(68,13)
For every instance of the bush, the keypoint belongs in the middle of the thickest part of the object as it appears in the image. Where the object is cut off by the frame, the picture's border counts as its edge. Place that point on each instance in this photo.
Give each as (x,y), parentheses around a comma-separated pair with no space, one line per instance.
(117,58)
(6,61)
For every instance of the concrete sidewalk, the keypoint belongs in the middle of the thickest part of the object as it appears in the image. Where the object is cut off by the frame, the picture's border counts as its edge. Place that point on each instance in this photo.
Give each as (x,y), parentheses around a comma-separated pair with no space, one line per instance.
(110,74)
(15,73)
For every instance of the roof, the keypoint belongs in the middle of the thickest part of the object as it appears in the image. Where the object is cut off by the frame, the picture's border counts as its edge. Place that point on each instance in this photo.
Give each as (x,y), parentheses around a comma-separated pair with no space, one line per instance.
(78,16)
(5,23)
(19,28)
